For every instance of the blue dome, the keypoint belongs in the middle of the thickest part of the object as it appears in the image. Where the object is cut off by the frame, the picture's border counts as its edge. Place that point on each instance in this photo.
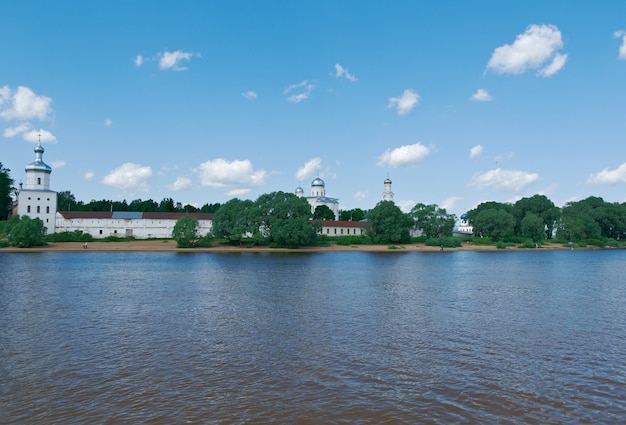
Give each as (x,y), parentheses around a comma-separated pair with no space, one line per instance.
(463,216)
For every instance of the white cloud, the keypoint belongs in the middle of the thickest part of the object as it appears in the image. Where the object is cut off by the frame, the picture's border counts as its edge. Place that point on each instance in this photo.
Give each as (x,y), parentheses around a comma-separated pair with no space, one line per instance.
(234,175)
(108,122)
(360,195)
(23,104)
(139,60)
(249,95)
(530,50)
(181,183)
(129,176)
(404,156)
(18,129)
(482,95)
(476,151)
(88,175)
(622,47)
(237,192)
(340,71)
(302,91)
(405,102)
(558,62)
(449,203)
(405,205)
(607,176)
(172,60)
(512,181)
(58,164)
(39,136)
(308,169)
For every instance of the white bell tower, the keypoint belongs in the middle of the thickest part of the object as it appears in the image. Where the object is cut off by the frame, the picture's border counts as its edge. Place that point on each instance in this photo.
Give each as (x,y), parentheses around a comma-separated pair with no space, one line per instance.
(388,194)
(35,199)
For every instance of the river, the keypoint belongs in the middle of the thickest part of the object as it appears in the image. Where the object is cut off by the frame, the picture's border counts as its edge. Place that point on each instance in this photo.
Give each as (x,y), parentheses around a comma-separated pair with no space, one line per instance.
(336,337)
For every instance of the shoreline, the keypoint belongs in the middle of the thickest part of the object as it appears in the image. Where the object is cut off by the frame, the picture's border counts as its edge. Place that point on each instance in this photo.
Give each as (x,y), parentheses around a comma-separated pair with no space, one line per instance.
(169,245)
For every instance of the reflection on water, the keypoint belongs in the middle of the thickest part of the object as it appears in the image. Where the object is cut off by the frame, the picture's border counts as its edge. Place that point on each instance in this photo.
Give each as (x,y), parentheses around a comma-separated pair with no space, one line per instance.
(454,337)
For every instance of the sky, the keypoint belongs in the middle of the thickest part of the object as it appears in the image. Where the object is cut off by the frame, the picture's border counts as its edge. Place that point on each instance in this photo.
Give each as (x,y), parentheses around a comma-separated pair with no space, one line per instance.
(456,102)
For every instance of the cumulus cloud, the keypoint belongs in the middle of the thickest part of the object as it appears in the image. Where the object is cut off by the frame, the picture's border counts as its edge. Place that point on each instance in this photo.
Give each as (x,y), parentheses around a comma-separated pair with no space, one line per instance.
(404,156)
(607,176)
(40,135)
(181,183)
(249,95)
(538,45)
(482,95)
(139,60)
(233,175)
(622,48)
(299,92)
(308,169)
(360,195)
(405,205)
(405,102)
(172,60)
(89,175)
(512,181)
(129,176)
(24,104)
(340,71)
(57,164)
(449,203)
(476,151)
(18,129)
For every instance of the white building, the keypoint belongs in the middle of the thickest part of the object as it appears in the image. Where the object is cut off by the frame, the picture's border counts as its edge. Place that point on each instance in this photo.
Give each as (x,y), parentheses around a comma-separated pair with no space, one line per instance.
(35,199)
(126,224)
(387,194)
(463,228)
(318,197)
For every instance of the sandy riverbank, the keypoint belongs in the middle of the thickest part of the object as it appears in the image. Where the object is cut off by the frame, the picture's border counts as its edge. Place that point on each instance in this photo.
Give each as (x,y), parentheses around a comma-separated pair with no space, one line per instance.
(170,245)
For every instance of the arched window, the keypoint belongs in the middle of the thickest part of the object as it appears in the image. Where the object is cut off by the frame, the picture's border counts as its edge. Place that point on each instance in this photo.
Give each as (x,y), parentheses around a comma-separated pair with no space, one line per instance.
(47,210)
(38,209)
(28,209)
(38,180)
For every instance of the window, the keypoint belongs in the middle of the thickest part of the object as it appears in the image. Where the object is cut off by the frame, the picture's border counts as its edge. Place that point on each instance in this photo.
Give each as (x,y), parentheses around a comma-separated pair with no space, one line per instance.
(28,209)
(38,180)
(335,231)
(47,210)
(100,231)
(38,209)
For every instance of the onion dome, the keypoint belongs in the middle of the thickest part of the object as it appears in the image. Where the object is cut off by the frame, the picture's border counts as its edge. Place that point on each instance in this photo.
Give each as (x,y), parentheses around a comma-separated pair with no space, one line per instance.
(317,182)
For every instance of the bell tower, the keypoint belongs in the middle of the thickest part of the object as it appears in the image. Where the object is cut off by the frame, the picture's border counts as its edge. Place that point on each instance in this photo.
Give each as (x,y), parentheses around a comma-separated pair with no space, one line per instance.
(35,199)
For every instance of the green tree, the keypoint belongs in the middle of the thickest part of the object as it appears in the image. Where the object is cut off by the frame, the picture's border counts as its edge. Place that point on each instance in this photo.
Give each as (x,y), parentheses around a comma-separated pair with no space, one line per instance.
(388,224)
(236,220)
(494,223)
(185,231)
(533,226)
(27,232)
(542,207)
(355,214)
(6,189)
(167,205)
(323,212)
(143,206)
(435,222)
(280,213)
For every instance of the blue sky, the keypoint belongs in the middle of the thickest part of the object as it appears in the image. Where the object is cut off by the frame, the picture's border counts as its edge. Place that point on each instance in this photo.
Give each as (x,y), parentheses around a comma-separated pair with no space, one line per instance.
(457,102)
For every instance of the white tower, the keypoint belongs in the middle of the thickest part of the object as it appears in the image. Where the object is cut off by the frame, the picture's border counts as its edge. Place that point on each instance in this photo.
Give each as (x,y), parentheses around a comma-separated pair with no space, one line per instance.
(317,188)
(36,200)
(388,194)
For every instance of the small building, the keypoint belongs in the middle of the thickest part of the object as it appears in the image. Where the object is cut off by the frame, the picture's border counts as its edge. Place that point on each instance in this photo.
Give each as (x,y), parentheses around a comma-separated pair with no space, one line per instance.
(125,224)
(342,228)
(35,199)
(464,228)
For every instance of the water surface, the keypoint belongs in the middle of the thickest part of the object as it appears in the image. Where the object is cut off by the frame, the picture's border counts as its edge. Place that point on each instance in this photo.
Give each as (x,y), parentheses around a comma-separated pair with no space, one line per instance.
(442,337)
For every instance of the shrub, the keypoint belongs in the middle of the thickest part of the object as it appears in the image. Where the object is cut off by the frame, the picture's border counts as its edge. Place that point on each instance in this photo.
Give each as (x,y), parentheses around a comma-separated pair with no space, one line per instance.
(500,245)
(4,243)
(75,236)
(446,242)
(205,241)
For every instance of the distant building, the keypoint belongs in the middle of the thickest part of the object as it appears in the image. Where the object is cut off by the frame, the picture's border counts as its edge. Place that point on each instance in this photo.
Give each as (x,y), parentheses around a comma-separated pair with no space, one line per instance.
(318,197)
(463,228)
(35,199)
(126,224)
(387,194)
